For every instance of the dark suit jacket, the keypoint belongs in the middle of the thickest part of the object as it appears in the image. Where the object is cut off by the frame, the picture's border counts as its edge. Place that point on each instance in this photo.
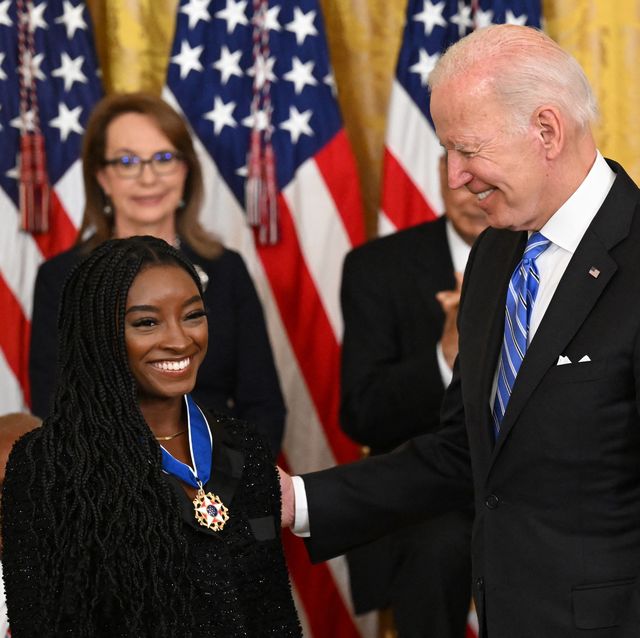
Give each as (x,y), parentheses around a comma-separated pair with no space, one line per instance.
(556,545)
(391,388)
(238,375)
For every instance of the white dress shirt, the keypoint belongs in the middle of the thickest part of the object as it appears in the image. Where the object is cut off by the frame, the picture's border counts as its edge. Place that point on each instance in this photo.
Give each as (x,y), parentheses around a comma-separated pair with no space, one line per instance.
(564,230)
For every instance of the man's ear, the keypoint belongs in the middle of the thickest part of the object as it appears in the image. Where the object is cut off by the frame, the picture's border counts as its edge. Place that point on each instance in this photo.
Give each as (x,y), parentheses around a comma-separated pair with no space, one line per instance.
(549,127)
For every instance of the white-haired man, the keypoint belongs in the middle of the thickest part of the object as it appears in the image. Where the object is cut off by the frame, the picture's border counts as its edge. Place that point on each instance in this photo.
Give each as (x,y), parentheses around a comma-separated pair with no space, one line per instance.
(541,421)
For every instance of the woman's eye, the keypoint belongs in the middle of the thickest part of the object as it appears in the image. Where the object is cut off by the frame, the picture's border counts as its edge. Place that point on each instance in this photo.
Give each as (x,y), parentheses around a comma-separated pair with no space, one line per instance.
(146,322)
(196,314)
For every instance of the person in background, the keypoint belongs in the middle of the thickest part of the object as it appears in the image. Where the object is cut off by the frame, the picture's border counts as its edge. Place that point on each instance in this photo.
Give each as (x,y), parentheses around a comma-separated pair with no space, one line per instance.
(399,344)
(12,427)
(142,177)
(541,421)
(131,511)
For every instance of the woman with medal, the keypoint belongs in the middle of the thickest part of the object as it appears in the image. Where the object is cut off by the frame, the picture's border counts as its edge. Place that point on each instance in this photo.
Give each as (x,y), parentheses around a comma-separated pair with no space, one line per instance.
(131,512)
(142,177)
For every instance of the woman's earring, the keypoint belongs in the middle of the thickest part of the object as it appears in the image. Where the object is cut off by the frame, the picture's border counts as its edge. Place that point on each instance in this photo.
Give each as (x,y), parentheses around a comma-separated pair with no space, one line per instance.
(107,209)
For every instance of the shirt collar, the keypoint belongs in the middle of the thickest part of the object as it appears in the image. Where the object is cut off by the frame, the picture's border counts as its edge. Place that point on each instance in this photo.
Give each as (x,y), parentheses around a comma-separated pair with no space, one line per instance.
(568,224)
(458,248)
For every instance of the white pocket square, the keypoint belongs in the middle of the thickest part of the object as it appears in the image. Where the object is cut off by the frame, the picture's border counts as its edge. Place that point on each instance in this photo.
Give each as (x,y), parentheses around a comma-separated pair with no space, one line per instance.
(585,359)
(563,361)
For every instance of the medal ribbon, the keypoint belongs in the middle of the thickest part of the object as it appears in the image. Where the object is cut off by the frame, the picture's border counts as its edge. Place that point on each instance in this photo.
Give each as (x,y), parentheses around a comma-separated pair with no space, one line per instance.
(200,446)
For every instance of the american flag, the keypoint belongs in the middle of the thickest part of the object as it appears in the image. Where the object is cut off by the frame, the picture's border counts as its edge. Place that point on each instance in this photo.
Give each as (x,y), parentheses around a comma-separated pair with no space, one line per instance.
(64,67)
(411,192)
(216,69)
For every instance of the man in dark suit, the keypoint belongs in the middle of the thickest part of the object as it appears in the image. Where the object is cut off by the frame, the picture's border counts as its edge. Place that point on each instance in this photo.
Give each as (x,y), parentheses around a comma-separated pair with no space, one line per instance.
(553,463)
(398,350)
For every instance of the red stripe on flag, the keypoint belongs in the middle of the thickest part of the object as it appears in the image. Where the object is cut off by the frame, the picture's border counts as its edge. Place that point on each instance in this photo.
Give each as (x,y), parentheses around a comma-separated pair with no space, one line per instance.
(335,163)
(402,202)
(310,333)
(324,608)
(62,233)
(14,337)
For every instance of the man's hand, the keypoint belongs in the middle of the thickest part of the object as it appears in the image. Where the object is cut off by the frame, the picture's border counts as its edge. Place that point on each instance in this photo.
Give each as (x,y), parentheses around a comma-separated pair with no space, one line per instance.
(288,500)
(450,300)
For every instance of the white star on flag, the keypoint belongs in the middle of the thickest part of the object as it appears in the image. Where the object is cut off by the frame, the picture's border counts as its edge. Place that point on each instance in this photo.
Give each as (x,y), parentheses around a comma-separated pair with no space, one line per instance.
(462,19)
(302,25)
(263,71)
(424,66)
(25,123)
(67,121)
(234,14)
(71,18)
(196,10)
(272,23)
(228,63)
(297,124)
(484,18)
(511,18)
(36,17)
(261,119)
(70,70)
(330,81)
(301,74)
(188,59)
(31,67)
(221,115)
(431,16)
(4,13)
(3,75)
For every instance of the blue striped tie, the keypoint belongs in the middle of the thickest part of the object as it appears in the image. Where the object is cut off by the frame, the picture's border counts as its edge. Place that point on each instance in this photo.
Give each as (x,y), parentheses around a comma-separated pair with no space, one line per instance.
(523,289)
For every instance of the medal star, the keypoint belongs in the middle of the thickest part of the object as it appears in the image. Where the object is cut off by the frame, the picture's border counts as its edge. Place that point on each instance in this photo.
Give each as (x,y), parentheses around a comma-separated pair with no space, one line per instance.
(228,63)
(301,74)
(511,18)
(4,13)
(196,10)
(188,59)
(67,121)
(462,19)
(302,25)
(263,70)
(424,66)
(70,70)
(36,17)
(221,115)
(3,75)
(431,16)
(483,18)
(72,18)
(298,123)
(234,14)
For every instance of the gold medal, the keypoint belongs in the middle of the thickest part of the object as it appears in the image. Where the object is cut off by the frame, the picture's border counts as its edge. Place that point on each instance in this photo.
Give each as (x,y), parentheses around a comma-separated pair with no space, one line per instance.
(209,510)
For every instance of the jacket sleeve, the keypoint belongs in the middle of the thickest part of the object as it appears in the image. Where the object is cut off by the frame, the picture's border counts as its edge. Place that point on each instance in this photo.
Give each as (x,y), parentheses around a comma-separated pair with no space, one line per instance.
(258,395)
(388,394)
(43,349)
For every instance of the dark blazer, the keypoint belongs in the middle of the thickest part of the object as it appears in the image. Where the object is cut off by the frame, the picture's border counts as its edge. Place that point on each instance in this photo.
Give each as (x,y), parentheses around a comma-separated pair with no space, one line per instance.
(391,388)
(240,580)
(238,375)
(556,545)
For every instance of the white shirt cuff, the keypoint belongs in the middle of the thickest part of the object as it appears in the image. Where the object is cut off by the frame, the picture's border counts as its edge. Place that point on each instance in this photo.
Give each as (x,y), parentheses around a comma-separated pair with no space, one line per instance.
(300,525)
(446,373)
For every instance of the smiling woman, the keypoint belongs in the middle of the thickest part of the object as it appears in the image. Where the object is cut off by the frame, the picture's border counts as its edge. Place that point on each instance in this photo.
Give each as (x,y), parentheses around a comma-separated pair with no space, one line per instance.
(142,177)
(131,511)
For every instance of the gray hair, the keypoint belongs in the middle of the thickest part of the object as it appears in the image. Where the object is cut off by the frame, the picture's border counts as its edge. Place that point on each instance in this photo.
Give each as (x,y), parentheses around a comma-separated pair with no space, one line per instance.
(528,69)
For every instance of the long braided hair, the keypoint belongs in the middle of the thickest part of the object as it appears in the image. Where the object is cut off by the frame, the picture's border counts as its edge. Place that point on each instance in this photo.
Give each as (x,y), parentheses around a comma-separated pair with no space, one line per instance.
(116,548)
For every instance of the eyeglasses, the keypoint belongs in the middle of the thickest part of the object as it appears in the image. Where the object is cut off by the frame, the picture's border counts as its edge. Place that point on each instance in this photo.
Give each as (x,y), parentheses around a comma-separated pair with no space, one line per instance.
(130,166)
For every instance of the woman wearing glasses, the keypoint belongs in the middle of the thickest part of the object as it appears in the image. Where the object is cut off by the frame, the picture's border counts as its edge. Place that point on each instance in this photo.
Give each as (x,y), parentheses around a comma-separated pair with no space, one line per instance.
(142,177)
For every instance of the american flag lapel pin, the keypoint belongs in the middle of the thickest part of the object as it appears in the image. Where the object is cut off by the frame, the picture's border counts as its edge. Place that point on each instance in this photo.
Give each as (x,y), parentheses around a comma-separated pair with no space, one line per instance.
(594,272)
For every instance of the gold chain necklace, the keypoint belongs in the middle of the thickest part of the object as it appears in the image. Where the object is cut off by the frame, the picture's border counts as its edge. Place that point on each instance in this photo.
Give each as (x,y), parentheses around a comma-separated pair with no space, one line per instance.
(171,436)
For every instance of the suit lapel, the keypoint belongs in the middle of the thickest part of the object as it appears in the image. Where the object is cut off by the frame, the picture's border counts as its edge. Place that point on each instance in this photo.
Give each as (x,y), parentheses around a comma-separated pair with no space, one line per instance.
(576,295)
